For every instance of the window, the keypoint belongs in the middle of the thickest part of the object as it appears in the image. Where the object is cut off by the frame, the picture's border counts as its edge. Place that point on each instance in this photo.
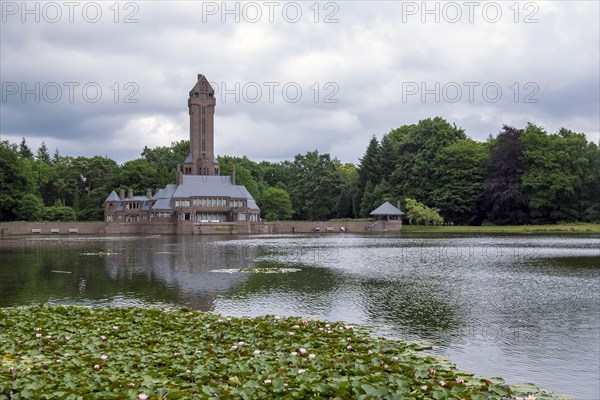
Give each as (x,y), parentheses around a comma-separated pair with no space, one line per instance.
(109,218)
(187,216)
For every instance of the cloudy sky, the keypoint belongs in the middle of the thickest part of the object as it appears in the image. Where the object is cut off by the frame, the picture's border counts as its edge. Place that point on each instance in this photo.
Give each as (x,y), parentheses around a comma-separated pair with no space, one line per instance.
(106,78)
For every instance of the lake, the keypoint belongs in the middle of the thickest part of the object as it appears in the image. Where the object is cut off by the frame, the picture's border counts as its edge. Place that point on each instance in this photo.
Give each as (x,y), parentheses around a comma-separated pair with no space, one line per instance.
(523,307)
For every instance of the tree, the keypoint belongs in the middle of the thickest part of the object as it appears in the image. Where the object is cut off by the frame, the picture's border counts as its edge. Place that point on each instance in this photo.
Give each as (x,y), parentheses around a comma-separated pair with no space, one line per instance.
(58,213)
(276,174)
(376,195)
(30,208)
(165,159)
(504,201)
(419,213)
(387,157)
(349,173)
(557,168)
(276,204)
(459,171)
(367,200)
(138,175)
(43,155)
(24,150)
(416,146)
(343,207)
(315,186)
(368,169)
(56,156)
(13,184)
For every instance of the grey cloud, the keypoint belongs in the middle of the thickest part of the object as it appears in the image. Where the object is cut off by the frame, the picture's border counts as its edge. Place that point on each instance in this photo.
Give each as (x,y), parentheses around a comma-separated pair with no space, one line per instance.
(370,54)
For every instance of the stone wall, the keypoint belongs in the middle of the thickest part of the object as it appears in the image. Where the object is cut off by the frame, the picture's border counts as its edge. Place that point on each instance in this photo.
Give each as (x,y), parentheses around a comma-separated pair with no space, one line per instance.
(138,228)
(325,227)
(54,228)
(189,228)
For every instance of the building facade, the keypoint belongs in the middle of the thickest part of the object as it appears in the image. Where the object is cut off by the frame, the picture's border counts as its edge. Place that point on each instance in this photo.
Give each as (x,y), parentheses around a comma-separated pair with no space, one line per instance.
(201,195)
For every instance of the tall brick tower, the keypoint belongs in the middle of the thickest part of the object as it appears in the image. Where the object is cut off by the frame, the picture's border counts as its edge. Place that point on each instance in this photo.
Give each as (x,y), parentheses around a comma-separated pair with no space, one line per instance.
(201,104)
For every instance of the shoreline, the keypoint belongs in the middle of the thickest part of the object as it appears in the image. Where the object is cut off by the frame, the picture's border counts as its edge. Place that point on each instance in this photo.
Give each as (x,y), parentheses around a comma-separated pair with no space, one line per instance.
(32,229)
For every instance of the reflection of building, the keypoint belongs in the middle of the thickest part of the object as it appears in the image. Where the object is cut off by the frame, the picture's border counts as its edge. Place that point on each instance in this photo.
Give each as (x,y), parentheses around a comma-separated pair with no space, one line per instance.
(200,197)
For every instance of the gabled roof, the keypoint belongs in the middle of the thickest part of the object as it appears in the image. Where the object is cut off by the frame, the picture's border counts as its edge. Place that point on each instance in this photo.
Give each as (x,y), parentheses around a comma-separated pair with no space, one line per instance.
(206,185)
(189,159)
(113,196)
(386,209)
(162,204)
(166,192)
(212,186)
(251,202)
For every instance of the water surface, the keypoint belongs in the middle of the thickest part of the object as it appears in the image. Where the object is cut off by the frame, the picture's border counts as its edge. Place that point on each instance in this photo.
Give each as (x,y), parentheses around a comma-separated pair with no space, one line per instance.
(524,307)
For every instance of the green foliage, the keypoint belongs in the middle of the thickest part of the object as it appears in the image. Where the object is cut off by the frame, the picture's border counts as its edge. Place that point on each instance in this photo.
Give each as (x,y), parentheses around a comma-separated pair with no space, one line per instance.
(520,176)
(248,173)
(24,150)
(504,200)
(315,186)
(419,214)
(43,154)
(459,171)
(58,213)
(557,170)
(369,164)
(417,147)
(127,353)
(276,204)
(164,161)
(138,175)
(30,208)
(13,183)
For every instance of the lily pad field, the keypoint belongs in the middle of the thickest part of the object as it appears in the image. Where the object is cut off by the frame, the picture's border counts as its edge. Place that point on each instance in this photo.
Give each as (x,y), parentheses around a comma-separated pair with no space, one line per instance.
(75,352)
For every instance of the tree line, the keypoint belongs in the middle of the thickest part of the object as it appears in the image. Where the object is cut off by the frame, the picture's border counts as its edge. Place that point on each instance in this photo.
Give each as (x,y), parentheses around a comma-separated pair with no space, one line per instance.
(432,168)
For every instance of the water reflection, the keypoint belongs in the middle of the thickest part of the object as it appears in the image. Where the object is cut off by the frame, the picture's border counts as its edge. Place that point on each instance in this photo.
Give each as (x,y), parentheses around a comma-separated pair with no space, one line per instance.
(522,307)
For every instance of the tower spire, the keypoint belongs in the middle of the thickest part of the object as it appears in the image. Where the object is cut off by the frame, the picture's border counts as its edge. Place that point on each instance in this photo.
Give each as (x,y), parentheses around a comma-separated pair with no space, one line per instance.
(201,105)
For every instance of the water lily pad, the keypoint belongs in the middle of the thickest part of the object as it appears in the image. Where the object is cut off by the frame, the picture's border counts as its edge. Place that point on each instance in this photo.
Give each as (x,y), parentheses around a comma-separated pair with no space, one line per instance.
(258,270)
(55,351)
(98,253)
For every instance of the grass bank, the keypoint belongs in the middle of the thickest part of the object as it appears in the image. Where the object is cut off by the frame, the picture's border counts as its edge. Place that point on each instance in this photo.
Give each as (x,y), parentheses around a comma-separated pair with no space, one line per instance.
(564,228)
(69,352)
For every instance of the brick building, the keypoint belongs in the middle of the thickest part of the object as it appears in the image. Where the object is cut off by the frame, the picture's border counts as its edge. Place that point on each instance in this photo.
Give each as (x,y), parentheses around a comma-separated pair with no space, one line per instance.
(201,196)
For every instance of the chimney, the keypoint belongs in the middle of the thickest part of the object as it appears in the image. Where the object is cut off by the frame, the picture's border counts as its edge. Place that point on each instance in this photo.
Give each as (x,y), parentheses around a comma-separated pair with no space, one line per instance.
(129,193)
(121,194)
(398,205)
(148,192)
(233,175)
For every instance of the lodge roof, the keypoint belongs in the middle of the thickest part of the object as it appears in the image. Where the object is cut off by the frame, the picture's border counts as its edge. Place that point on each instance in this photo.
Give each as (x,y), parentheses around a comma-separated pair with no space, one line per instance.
(386,209)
